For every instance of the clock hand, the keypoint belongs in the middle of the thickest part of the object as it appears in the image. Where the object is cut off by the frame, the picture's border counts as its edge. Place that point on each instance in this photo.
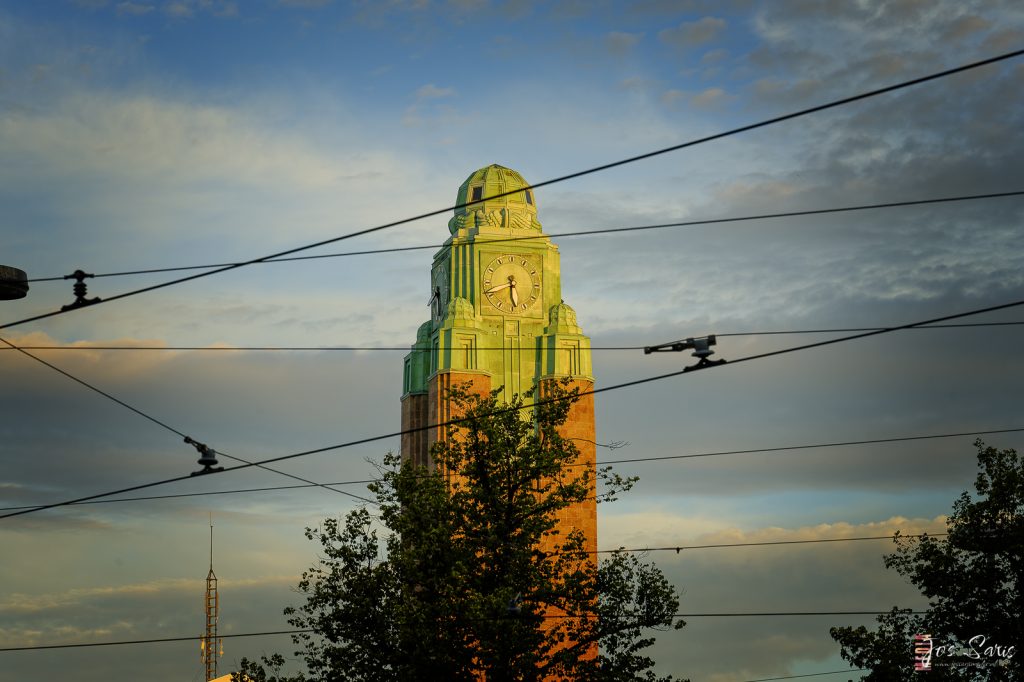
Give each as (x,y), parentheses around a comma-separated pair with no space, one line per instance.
(499,287)
(513,292)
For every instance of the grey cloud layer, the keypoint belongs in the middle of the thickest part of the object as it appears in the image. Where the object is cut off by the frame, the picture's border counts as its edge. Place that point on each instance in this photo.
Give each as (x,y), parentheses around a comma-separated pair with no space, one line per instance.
(215,181)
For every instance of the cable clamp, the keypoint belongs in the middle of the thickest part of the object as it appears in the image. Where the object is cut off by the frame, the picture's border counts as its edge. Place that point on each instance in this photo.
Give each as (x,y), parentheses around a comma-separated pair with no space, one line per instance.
(701,350)
(80,290)
(207,457)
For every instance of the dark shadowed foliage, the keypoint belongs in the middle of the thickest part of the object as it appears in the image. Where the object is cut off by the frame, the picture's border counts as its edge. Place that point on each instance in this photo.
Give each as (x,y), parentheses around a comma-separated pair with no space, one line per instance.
(973,584)
(449,582)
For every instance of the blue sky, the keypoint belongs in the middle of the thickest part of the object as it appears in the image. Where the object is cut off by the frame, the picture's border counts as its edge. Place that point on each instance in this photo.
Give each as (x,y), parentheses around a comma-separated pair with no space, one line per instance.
(156,133)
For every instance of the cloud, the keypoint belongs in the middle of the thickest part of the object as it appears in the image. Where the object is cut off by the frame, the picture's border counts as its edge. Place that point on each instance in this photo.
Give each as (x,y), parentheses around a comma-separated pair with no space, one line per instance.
(23,604)
(226,8)
(178,177)
(636,83)
(466,6)
(618,43)
(813,577)
(141,160)
(178,10)
(431,91)
(1003,40)
(862,46)
(421,111)
(179,389)
(964,27)
(168,607)
(672,95)
(304,3)
(134,8)
(517,9)
(572,9)
(693,33)
(713,57)
(113,147)
(709,98)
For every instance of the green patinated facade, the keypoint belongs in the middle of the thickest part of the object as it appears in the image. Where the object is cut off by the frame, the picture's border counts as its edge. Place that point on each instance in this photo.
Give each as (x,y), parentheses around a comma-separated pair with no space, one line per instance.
(496,295)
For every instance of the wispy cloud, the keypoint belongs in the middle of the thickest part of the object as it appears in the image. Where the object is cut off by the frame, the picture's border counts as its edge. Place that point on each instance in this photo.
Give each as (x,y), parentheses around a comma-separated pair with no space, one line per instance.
(421,110)
(304,3)
(178,9)
(431,91)
(693,33)
(134,8)
(709,98)
(746,579)
(619,43)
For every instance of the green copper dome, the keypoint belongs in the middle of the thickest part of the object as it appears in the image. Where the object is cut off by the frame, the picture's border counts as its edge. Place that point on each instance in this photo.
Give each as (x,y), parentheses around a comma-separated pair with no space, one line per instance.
(562,320)
(515,211)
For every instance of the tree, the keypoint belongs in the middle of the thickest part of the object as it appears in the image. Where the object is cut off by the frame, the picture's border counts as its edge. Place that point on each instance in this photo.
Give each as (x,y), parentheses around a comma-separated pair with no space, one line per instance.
(464,576)
(972,581)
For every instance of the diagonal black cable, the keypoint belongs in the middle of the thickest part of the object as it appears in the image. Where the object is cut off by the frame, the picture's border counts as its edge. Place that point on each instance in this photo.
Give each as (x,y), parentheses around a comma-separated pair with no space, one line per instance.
(165,425)
(827,672)
(578,233)
(452,422)
(409,349)
(325,486)
(55,368)
(751,614)
(158,640)
(873,441)
(766,543)
(562,178)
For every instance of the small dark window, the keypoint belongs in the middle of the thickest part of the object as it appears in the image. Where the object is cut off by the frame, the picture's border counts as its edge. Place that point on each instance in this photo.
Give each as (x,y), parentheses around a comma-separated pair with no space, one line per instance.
(478,193)
(529,198)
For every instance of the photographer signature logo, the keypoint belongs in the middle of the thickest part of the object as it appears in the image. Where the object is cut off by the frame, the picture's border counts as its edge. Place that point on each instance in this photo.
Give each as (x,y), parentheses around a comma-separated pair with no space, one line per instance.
(923,646)
(978,651)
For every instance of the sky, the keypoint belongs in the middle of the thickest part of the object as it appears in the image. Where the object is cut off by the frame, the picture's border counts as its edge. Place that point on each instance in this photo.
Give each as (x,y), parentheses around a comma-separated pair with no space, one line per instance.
(149,133)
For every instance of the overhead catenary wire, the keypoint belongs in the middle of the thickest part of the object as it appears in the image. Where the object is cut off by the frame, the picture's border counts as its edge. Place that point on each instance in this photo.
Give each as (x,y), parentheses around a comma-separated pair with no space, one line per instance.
(794,677)
(764,543)
(719,453)
(749,614)
(164,425)
(577,174)
(408,349)
(678,549)
(872,441)
(577,233)
(694,615)
(668,548)
(595,391)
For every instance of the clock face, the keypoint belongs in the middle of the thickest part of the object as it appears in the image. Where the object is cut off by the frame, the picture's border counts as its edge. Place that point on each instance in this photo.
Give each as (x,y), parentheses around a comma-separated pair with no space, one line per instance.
(511,284)
(439,293)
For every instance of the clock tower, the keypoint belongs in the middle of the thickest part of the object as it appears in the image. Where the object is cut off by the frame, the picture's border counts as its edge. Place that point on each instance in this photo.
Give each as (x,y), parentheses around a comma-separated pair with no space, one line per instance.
(497,320)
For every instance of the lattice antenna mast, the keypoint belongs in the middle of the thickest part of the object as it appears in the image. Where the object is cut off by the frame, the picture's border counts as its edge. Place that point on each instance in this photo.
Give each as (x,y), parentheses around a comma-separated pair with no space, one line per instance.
(210,646)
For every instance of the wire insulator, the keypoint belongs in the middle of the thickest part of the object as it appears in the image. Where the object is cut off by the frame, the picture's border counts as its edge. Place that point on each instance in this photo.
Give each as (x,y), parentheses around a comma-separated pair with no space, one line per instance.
(80,289)
(207,457)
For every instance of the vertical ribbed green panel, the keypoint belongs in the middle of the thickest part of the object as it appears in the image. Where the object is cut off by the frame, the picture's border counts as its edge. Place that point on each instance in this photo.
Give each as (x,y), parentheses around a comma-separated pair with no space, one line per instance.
(417,362)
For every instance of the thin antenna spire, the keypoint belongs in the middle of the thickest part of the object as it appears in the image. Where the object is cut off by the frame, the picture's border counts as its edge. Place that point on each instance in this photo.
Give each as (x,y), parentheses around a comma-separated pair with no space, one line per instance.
(211,647)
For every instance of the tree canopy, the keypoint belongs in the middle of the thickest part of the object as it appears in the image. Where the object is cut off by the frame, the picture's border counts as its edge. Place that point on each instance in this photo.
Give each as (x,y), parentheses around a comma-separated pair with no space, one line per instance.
(463,573)
(972,580)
